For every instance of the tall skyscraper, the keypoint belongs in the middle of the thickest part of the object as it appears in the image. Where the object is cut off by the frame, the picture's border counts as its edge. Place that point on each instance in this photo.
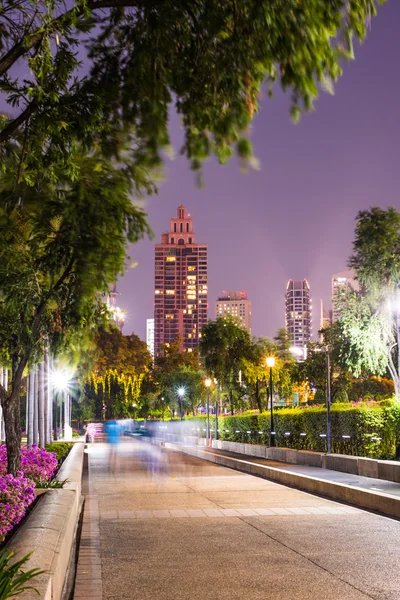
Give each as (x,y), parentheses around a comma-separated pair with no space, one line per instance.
(181,286)
(340,281)
(236,304)
(298,312)
(150,335)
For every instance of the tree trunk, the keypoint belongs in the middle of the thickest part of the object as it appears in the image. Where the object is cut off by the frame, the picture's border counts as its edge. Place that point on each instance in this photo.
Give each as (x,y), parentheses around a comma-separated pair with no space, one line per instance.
(1,403)
(29,429)
(35,406)
(231,402)
(41,404)
(50,397)
(12,417)
(3,428)
(46,397)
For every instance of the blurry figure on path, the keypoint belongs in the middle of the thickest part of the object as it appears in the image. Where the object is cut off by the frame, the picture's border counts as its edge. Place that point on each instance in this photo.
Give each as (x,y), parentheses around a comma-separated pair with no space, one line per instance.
(112,431)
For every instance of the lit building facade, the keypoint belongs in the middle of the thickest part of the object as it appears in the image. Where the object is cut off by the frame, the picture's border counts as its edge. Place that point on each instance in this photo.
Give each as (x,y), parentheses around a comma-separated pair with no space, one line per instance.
(236,304)
(150,335)
(341,281)
(181,285)
(298,312)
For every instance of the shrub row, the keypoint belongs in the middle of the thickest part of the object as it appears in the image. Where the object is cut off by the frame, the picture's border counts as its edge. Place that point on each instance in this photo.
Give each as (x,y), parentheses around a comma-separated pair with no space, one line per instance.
(61,449)
(374,430)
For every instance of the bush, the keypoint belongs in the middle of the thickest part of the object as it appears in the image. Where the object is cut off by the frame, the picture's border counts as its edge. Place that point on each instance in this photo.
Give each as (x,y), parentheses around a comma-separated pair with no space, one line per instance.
(16,494)
(60,449)
(36,463)
(374,430)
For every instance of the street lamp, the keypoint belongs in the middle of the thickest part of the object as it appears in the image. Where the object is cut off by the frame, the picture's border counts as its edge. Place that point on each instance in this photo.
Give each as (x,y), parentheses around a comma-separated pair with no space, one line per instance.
(207,383)
(271,363)
(216,409)
(328,401)
(181,393)
(61,380)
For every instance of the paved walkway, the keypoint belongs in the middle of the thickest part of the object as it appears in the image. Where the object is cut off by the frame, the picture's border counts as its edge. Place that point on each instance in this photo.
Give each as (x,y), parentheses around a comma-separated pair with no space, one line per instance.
(160,525)
(367,483)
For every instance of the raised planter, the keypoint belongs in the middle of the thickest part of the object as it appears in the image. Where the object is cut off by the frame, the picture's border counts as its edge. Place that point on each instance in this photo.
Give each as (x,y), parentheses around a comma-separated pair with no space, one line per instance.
(49,531)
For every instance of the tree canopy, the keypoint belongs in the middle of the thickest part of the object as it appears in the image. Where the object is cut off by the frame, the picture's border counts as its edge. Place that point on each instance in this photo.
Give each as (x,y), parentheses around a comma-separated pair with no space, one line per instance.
(61,244)
(370,318)
(125,354)
(106,72)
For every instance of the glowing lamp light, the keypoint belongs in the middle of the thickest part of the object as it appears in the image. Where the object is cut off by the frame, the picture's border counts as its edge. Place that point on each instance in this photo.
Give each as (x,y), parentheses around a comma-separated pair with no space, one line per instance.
(60,379)
(207,383)
(270,361)
(181,391)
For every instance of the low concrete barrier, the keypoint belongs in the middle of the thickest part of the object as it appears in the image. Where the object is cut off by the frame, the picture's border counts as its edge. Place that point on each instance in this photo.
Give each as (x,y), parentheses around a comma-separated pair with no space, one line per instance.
(49,531)
(388,470)
(383,503)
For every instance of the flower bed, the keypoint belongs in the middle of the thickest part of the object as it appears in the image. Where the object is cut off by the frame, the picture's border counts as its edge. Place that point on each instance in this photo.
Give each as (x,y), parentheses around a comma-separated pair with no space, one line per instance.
(36,463)
(17,493)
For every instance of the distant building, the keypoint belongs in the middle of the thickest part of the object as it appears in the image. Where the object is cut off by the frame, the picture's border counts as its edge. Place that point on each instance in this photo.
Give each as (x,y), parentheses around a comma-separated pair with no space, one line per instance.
(236,304)
(181,285)
(298,312)
(342,280)
(150,335)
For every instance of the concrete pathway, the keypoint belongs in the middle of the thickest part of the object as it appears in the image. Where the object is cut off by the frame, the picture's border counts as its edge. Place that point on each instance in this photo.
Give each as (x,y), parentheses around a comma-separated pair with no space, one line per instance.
(160,525)
(367,483)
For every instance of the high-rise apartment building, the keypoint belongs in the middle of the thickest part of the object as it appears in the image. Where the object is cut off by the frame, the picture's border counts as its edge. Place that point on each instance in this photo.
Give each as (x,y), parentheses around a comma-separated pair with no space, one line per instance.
(150,335)
(181,286)
(341,281)
(298,312)
(236,304)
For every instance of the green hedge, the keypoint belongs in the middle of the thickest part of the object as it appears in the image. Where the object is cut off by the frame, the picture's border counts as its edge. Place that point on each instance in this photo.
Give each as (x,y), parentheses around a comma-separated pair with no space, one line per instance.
(362,423)
(60,448)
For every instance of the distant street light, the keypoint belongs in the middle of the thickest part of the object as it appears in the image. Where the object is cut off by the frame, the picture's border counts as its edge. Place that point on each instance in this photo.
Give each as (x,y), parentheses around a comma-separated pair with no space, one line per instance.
(216,409)
(61,380)
(271,364)
(207,383)
(181,393)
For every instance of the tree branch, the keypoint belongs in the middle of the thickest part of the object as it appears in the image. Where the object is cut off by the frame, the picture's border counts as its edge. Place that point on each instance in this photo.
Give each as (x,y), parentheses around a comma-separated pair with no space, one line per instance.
(22,47)
(8,131)
(42,305)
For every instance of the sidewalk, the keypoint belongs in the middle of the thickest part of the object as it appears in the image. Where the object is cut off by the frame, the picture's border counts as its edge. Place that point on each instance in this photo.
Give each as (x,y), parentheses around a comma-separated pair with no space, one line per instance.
(368,493)
(367,483)
(165,525)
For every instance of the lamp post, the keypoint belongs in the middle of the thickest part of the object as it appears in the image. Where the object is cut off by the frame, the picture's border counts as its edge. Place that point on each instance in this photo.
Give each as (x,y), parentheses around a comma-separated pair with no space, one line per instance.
(328,401)
(271,363)
(181,393)
(216,409)
(207,383)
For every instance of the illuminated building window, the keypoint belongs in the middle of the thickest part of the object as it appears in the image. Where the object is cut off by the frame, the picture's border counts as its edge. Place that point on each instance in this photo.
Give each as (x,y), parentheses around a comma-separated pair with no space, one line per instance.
(170,259)
(170,292)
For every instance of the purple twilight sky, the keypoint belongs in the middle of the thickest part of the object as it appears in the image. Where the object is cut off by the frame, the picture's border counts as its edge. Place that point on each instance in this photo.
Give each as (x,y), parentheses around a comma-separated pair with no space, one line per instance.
(293,218)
